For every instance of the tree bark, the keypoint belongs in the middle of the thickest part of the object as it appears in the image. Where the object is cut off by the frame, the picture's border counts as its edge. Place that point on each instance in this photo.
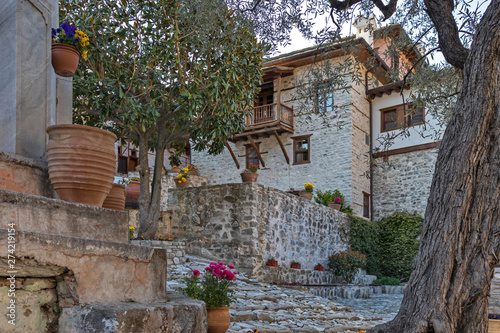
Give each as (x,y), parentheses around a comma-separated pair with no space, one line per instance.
(449,288)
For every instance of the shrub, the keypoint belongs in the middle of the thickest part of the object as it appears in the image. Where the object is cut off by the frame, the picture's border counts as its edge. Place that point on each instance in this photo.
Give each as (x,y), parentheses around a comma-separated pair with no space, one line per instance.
(325,197)
(346,264)
(387,281)
(364,237)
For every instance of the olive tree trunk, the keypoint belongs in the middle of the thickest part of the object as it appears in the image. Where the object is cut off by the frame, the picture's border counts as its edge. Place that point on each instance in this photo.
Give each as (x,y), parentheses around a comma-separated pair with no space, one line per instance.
(449,288)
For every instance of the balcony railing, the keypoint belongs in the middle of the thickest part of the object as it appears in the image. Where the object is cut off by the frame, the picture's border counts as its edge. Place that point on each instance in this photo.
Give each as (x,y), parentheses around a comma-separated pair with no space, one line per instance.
(271,113)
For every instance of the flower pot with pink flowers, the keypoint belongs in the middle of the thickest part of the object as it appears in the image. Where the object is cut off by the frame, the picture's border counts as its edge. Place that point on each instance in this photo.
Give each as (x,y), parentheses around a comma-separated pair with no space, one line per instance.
(250,174)
(335,204)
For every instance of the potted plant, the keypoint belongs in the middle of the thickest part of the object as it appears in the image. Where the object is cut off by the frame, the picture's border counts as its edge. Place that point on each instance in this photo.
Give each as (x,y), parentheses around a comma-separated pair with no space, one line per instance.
(68,44)
(493,323)
(116,197)
(81,162)
(215,290)
(295,265)
(346,264)
(133,190)
(319,267)
(250,174)
(192,171)
(182,179)
(307,192)
(335,204)
(175,160)
(272,262)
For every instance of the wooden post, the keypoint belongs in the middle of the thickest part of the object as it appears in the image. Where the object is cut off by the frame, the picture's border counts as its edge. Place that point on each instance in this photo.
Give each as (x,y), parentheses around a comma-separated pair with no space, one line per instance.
(232,155)
(282,147)
(278,97)
(254,146)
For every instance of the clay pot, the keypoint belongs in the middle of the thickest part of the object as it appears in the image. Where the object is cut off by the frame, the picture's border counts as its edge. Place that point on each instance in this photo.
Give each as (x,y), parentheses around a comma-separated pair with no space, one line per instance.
(249,177)
(319,268)
(176,170)
(193,172)
(116,198)
(182,184)
(272,263)
(334,206)
(65,59)
(306,195)
(133,191)
(296,266)
(81,163)
(218,320)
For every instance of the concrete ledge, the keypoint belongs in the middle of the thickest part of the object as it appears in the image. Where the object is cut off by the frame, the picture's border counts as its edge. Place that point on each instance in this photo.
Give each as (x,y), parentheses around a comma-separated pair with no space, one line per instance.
(51,216)
(25,175)
(104,271)
(180,314)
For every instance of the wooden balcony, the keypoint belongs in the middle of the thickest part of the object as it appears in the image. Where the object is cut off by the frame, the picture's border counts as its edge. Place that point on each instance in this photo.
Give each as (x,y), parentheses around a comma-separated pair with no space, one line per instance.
(267,119)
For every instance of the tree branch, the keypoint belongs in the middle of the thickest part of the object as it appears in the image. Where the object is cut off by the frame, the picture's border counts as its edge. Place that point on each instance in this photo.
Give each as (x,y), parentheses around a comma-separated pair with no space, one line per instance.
(441,14)
(386,10)
(343,5)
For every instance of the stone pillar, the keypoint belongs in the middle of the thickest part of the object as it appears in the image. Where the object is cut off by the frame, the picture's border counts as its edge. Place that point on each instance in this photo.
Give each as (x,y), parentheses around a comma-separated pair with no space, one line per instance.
(27,80)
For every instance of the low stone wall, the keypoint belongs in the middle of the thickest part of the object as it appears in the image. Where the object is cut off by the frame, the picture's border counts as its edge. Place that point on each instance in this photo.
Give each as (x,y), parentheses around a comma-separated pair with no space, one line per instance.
(246,224)
(176,251)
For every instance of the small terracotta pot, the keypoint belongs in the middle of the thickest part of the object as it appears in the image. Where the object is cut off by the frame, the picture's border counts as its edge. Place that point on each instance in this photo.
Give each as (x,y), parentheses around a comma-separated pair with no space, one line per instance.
(249,177)
(296,266)
(272,263)
(65,59)
(176,170)
(319,268)
(133,191)
(218,320)
(116,198)
(182,184)
(334,206)
(193,172)
(306,195)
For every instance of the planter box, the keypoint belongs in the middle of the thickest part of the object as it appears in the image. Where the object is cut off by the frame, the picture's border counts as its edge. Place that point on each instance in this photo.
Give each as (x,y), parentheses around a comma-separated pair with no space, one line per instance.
(272,263)
(319,268)
(493,326)
(295,266)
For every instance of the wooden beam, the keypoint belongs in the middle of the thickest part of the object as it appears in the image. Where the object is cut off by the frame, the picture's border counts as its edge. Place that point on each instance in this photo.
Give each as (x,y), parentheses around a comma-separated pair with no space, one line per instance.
(254,146)
(232,155)
(282,147)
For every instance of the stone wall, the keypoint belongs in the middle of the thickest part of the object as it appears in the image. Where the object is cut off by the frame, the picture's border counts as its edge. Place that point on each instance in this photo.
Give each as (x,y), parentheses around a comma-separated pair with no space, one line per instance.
(176,251)
(246,224)
(402,182)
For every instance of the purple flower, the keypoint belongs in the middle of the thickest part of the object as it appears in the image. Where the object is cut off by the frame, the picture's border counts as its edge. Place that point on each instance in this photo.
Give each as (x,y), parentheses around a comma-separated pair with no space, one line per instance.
(54,33)
(69,29)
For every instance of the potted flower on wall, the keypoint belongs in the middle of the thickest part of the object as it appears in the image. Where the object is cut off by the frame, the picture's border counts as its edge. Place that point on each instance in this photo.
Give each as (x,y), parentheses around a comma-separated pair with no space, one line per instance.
(250,174)
(68,44)
(182,179)
(493,323)
(307,192)
(192,171)
(295,265)
(335,204)
(272,262)
(214,288)
(319,267)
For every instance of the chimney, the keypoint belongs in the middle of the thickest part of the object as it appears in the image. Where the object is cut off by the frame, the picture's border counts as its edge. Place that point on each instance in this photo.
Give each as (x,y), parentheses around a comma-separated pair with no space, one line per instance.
(364,28)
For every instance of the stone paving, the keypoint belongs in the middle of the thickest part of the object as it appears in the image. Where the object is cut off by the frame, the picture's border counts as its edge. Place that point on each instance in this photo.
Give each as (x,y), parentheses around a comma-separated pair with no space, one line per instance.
(270,308)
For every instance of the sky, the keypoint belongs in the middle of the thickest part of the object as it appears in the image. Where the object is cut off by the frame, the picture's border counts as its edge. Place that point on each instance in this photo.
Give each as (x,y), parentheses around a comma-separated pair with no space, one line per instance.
(298,42)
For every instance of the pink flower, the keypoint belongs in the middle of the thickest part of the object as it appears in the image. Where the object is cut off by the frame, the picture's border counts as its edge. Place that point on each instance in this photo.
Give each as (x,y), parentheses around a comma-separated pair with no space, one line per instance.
(217,273)
(229,276)
(222,267)
(196,273)
(235,272)
(208,269)
(221,263)
(231,266)
(213,265)
(337,199)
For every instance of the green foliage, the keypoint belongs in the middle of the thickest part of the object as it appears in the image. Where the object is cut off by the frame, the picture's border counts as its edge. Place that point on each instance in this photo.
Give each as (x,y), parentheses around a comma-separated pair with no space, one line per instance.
(346,264)
(389,244)
(387,281)
(327,196)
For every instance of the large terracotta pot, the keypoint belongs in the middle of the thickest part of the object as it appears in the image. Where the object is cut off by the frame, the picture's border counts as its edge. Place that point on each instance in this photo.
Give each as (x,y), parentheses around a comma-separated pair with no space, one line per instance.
(65,59)
(248,177)
(81,163)
(133,191)
(116,198)
(334,206)
(306,195)
(218,320)
(182,184)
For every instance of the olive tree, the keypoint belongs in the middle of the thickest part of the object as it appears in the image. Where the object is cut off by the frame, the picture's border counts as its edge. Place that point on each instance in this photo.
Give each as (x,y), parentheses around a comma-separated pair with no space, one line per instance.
(160,71)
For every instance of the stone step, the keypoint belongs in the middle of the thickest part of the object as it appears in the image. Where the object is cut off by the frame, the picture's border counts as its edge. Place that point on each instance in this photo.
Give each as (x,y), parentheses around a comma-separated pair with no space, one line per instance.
(179,314)
(103,271)
(50,216)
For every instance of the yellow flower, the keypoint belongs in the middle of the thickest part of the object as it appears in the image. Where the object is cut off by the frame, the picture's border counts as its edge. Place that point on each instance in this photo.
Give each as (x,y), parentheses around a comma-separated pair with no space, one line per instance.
(185,169)
(180,181)
(131,228)
(183,179)
(179,176)
(84,54)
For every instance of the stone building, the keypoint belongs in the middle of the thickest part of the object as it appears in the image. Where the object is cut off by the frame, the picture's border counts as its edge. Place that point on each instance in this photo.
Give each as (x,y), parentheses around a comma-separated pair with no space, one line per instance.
(308,127)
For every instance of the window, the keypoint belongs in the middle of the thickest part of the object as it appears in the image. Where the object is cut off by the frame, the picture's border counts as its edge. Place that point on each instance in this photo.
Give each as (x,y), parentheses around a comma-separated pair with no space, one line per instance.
(366,204)
(128,158)
(324,97)
(302,149)
(251,155)
(266,95)
(401,116)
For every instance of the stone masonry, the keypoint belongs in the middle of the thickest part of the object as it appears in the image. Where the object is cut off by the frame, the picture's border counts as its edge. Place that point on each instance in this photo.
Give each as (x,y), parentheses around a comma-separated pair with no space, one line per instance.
(247,224)
(402,182)
(176,251)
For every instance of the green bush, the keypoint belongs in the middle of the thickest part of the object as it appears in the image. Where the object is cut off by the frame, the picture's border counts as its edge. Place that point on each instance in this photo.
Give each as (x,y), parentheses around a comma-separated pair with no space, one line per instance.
(387,281)
(390,244)
(346,264)
(325,197)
